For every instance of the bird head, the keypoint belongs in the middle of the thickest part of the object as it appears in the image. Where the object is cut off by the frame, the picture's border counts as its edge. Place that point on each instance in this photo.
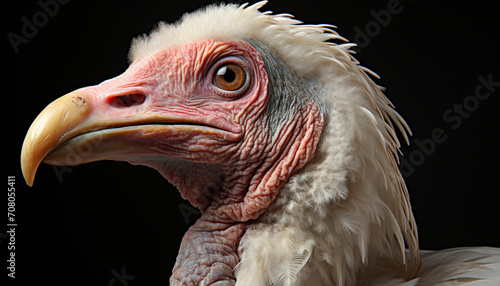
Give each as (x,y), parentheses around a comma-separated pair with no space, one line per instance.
(196,112)
(257,119)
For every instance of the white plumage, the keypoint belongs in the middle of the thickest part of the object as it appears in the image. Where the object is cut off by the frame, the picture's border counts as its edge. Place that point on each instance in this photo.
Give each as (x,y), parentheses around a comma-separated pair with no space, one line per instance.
(344,218)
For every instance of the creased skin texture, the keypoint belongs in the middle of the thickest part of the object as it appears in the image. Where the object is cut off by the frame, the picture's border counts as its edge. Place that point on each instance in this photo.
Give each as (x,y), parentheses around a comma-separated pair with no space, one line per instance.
(209,250)
(343,219)
(231,181)
(216,147)
(208,254)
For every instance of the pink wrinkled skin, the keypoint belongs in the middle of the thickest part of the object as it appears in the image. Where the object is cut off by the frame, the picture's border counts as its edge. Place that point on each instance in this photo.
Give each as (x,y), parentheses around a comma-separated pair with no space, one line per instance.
(230,167)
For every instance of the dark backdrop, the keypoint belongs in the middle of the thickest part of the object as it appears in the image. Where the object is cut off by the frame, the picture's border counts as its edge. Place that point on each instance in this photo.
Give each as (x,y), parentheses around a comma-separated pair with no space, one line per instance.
(98,223)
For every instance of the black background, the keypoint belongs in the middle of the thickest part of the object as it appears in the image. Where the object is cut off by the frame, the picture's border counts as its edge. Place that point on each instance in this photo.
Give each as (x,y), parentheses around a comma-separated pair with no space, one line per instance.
(81,226)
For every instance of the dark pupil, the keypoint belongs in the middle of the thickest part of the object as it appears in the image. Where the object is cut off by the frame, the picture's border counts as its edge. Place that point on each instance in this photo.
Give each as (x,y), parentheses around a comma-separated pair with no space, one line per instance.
(229,76)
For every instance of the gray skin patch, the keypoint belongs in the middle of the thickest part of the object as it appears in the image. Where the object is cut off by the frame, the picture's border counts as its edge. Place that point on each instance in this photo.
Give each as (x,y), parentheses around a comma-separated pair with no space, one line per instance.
(287,92)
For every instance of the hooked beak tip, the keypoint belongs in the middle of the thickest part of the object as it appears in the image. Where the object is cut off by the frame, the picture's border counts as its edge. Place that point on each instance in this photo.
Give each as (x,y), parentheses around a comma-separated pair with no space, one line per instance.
(49,130)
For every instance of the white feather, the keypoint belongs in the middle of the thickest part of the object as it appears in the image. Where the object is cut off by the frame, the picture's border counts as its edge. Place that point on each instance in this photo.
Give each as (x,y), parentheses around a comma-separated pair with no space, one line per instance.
(273,257)
(345,217)
(467,266)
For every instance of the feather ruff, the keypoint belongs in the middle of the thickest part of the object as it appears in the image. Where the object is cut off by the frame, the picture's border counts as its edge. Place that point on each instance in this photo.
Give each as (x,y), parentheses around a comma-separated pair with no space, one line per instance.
(347,211)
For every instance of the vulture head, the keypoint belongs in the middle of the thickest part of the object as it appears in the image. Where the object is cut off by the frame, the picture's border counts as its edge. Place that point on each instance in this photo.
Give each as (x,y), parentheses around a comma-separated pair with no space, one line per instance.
(271,128)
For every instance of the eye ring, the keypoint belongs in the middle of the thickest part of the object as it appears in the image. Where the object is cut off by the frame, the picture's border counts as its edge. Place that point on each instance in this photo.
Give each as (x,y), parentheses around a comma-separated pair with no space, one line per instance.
(230,77)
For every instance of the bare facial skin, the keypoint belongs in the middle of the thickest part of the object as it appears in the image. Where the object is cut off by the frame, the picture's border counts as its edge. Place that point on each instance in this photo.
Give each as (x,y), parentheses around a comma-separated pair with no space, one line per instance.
(199,114)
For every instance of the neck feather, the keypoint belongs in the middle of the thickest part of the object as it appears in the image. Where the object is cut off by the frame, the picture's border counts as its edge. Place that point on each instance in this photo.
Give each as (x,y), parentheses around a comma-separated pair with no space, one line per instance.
(348,207)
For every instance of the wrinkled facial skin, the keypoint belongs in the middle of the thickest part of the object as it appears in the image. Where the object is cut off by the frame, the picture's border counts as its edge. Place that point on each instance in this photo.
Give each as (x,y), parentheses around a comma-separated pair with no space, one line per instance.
(216,146)
(205,127)
(222,158)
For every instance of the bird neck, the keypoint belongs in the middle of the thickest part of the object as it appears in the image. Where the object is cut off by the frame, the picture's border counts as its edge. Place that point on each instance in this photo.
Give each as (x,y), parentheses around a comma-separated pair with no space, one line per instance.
(348,207)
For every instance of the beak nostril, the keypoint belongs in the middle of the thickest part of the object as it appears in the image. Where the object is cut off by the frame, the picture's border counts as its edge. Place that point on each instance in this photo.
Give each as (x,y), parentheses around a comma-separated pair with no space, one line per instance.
(128,100)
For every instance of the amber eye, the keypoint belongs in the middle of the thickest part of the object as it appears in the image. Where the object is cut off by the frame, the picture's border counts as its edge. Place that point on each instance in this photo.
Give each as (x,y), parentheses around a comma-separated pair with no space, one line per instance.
(230,77)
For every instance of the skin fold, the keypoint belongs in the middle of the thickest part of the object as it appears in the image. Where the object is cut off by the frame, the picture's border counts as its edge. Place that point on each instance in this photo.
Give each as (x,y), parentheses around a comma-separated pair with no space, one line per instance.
(220,148)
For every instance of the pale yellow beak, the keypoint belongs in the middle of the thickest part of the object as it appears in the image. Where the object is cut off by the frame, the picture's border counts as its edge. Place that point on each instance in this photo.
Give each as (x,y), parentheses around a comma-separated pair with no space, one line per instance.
(56,123)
